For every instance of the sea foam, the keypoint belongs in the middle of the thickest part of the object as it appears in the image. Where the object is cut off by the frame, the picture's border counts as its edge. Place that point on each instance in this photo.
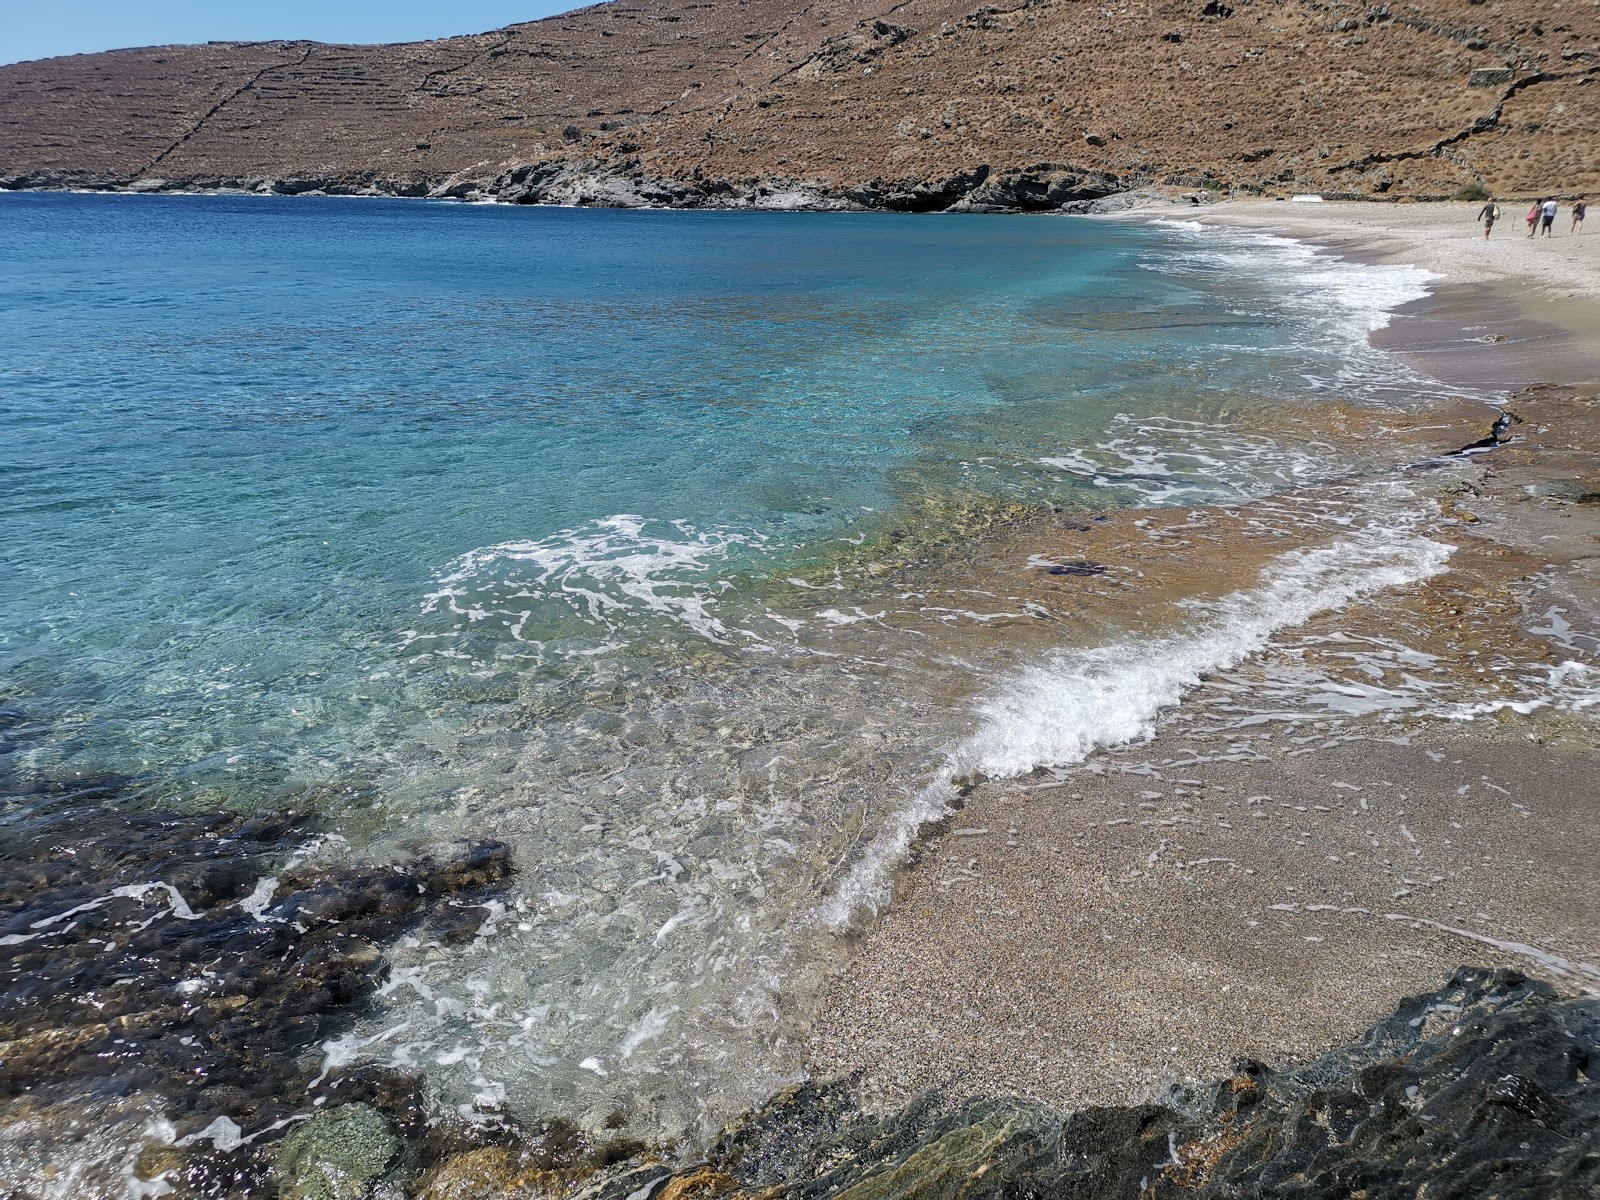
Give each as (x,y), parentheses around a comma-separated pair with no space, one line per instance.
(1339,303)
(1075,701)
(606,574)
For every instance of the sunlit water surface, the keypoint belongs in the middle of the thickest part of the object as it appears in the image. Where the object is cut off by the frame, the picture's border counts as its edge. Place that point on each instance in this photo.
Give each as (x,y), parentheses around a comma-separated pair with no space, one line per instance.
(561,527)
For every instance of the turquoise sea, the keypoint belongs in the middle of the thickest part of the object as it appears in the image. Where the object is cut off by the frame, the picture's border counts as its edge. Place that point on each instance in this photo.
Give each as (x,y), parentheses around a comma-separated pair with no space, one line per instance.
(562,526)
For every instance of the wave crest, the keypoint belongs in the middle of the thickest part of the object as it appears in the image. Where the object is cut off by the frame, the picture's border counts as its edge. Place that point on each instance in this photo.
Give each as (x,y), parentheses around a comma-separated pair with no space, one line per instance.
(606,575)
(1076,701)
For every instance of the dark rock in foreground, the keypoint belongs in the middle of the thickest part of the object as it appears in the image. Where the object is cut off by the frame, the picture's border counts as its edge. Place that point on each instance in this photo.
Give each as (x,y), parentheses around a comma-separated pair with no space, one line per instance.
(1481,1089)
(180,959)
(184,963)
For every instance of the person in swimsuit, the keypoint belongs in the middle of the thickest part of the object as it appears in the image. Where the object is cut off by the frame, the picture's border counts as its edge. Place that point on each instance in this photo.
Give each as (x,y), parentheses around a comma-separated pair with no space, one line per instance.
(1578,207)
(1489,214)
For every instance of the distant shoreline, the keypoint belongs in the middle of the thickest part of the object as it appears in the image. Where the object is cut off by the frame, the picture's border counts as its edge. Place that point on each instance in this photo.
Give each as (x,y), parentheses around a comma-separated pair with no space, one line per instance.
(625,185)
(1554,281)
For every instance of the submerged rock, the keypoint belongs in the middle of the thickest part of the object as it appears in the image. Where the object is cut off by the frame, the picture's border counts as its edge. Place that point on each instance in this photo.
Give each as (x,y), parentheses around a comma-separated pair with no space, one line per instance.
(1082,567)
(336,1154)
(177,968)
(487,1173)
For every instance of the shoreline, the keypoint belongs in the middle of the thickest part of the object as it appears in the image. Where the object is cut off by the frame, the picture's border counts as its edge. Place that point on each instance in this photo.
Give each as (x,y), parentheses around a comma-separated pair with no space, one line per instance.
(1551,284)
(1135,869)
(594,183)
(580,190)
(1091,934)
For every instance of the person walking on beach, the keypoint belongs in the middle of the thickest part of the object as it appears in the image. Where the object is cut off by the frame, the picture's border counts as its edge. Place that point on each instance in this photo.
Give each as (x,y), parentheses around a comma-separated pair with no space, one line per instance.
(1488,214)
(1578,209)
(1548,208)
(1533,219)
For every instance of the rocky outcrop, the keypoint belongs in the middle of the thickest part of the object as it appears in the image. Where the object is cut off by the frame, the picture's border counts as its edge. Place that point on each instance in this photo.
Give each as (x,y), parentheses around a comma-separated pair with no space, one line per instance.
(182,964)
(1039,188)
(626,184)
(1481,1089)
(915,105)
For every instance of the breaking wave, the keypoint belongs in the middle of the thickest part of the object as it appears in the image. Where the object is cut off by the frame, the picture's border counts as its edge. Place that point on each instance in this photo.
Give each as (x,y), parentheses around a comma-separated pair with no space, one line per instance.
(1078,700)
(598,581)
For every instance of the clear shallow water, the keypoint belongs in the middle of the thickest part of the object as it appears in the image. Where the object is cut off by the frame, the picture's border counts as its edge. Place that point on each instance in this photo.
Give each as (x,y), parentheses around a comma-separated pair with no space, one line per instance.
(464,521)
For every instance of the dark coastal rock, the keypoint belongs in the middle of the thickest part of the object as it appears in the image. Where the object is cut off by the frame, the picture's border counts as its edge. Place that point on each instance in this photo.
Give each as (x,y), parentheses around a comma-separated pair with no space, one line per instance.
(1482,1089)
(624,184)
(176,958)
(297,187)
(916,195)
(1043,187)
(1083,567)
(54,180)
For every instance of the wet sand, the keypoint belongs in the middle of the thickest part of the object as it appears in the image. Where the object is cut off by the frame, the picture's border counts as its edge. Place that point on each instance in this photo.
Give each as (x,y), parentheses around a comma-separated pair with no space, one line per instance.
(1094,934)
(1092,940)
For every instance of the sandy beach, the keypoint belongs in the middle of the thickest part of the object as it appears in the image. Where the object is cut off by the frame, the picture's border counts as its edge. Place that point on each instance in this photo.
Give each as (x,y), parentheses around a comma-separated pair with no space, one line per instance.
(1554,280)
(1093,934)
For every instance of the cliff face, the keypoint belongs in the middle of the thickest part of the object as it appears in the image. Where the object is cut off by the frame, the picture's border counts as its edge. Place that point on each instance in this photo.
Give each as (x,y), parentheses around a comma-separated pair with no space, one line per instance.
(883,103)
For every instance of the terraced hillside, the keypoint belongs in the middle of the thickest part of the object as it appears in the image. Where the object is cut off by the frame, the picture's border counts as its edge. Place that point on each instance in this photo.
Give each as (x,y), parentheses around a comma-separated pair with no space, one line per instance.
(895,103)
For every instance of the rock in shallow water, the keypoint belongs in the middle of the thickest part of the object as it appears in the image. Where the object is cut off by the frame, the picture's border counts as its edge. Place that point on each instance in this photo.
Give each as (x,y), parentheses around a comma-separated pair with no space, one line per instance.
(1482,1089)
(172,968)
(336,1154)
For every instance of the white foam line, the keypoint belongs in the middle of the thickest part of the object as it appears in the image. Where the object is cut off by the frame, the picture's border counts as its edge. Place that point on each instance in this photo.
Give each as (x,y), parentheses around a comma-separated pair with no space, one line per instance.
(1081,700)
(224,1133)
(259,900)
(133,891)
(600,572)
(344,1050)
(1366,294)
(1553,962)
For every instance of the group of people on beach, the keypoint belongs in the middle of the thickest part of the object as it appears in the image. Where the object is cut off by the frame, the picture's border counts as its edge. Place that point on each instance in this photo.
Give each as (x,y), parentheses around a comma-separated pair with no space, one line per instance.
(1541,217)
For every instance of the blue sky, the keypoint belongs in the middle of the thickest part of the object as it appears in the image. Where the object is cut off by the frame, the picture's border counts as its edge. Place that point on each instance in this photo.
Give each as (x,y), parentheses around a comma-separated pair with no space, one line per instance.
(45,28)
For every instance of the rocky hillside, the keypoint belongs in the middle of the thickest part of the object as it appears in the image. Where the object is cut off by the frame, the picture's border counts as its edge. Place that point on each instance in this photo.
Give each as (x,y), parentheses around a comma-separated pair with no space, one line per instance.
(918,104)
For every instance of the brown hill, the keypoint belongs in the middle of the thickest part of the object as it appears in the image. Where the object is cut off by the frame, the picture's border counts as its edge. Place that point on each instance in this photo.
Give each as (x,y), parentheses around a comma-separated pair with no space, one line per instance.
(884,103)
